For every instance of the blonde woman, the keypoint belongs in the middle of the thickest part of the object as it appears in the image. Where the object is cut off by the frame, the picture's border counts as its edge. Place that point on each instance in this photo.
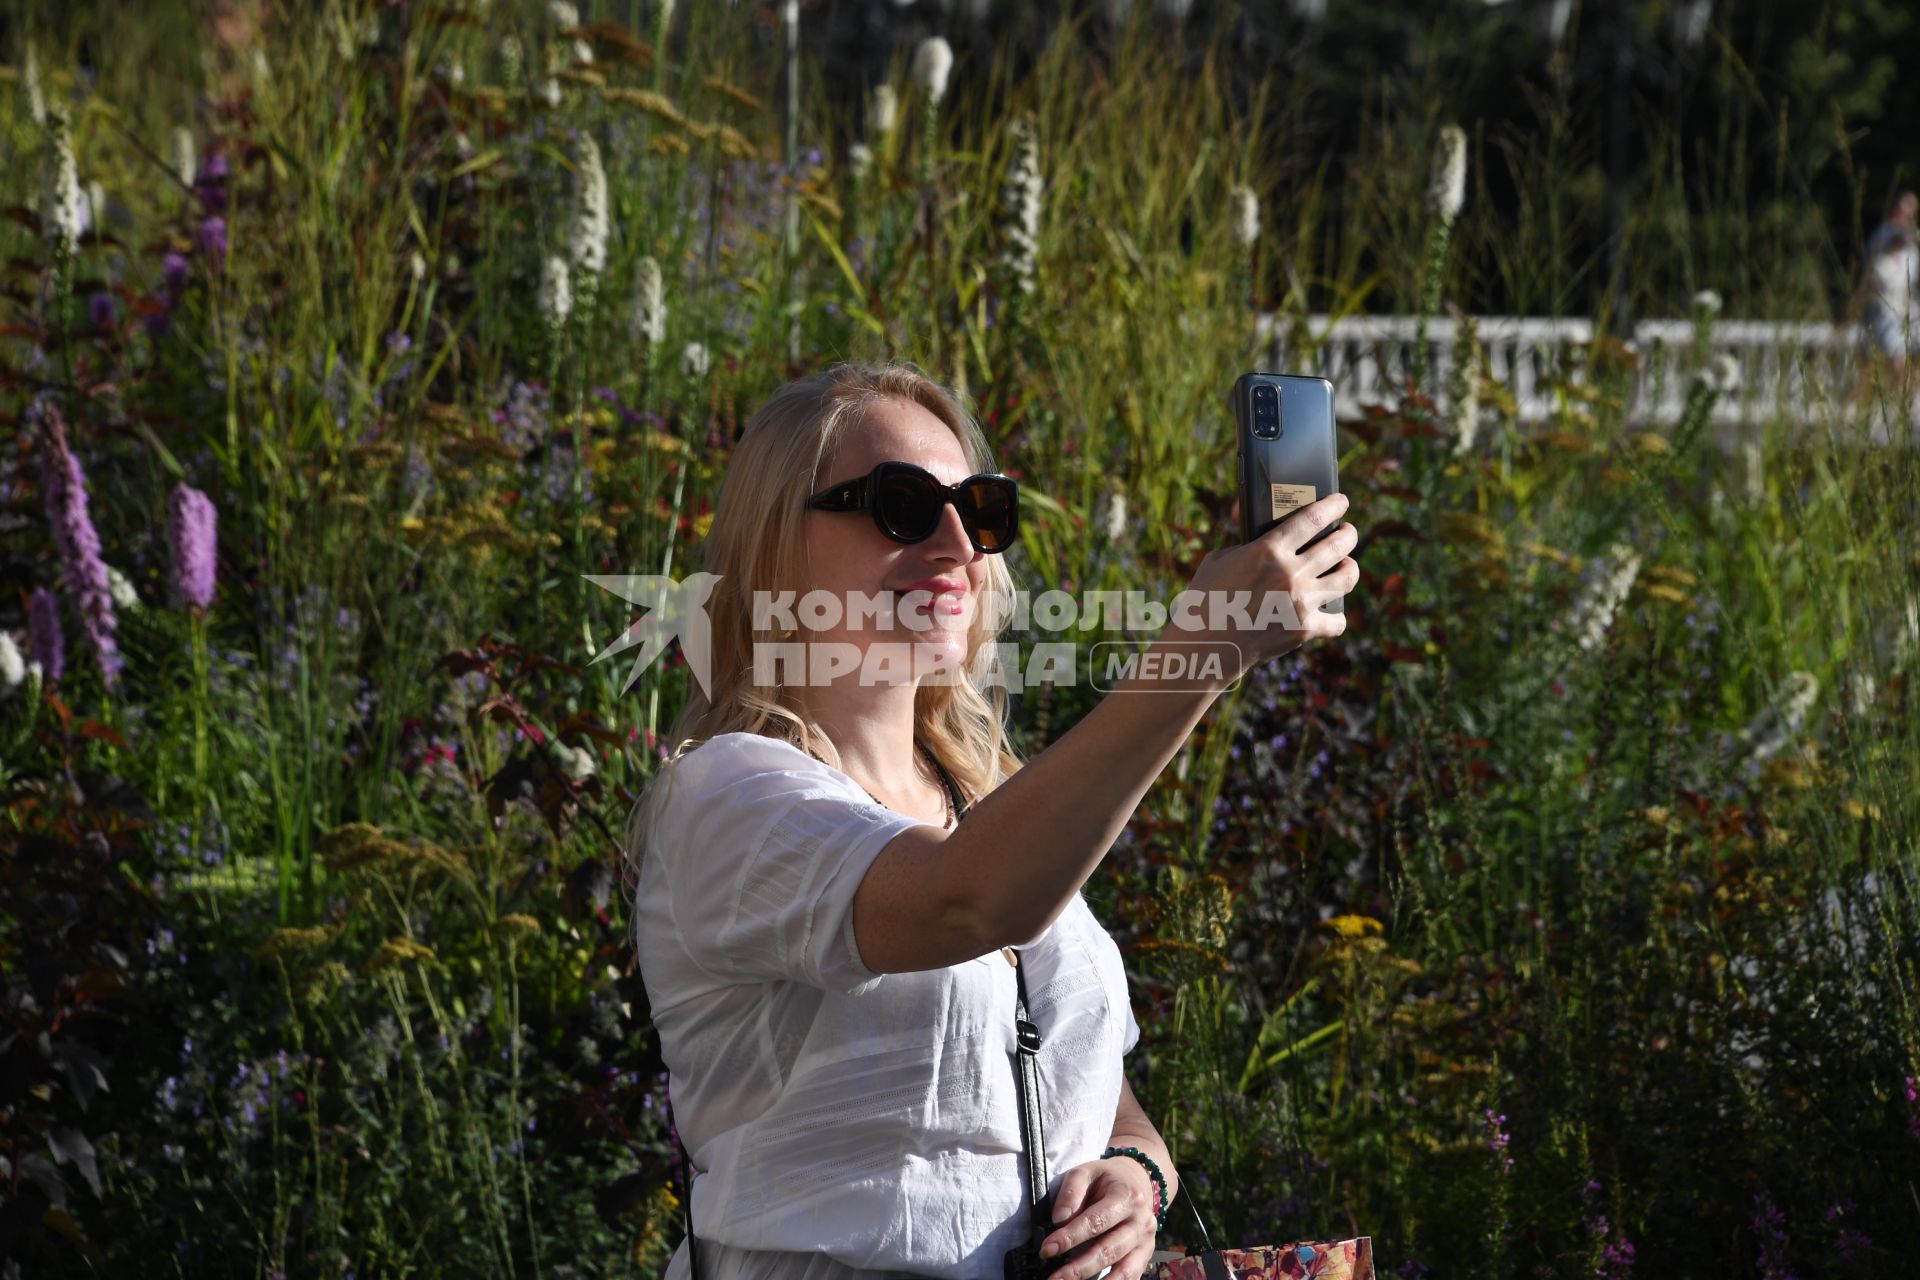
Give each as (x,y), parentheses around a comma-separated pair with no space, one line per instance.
(827,948)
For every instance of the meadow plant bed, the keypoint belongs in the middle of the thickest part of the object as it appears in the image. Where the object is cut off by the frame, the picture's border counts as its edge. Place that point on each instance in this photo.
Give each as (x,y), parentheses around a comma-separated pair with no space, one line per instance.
(1559,920)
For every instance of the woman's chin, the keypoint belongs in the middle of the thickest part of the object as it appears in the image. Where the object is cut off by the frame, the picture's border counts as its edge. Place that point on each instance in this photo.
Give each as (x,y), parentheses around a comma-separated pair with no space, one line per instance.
(942,654)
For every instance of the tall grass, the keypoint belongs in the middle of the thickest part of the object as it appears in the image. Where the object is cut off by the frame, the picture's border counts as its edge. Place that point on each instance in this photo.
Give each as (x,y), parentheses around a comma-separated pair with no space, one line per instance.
(1501,876)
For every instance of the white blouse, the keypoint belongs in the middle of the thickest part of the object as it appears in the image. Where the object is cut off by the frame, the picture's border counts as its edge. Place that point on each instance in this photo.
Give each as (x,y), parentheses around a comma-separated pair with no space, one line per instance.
(843,1124)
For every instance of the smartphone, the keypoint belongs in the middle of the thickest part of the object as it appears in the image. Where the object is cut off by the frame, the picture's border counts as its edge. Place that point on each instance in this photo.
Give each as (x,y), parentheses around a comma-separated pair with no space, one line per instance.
(1288,455)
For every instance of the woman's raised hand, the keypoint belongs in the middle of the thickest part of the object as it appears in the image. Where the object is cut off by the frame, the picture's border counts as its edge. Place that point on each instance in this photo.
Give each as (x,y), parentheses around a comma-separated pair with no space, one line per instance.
(1273,562)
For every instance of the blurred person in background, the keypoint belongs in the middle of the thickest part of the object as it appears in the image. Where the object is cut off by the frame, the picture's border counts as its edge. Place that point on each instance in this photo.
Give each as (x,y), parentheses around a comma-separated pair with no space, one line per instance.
(1889,289)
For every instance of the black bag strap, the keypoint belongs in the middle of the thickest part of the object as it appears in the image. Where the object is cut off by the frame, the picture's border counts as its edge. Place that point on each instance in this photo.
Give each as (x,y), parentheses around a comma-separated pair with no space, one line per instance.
(1032,1133)
(685,1168)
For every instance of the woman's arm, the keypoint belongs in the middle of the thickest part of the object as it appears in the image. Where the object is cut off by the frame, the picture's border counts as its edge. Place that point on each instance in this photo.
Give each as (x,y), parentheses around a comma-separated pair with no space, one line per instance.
(934,898)
(1131,1128)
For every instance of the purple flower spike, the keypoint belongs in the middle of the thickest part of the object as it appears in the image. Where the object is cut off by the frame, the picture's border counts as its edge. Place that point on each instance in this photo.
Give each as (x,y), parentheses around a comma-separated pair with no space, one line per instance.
(174,272)
(103,309)
(190,532)
(65,486)
(210,184)
(44,640)
(213,238)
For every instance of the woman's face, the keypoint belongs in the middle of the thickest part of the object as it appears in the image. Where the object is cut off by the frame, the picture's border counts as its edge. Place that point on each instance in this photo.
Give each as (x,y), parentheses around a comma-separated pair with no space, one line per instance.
(847,554)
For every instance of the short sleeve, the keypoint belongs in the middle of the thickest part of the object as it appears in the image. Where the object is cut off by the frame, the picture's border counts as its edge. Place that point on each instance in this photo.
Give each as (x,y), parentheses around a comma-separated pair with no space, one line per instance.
(1132,1036)
(763,849)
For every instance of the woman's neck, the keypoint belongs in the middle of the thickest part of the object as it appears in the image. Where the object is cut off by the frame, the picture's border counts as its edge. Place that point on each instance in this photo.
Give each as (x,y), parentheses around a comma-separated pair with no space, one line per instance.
(872,729)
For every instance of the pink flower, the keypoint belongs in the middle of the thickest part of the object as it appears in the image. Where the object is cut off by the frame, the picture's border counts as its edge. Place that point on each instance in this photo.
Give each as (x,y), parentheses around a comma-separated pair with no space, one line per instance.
(213,237)
(44,641)
(65,487)
(191,520)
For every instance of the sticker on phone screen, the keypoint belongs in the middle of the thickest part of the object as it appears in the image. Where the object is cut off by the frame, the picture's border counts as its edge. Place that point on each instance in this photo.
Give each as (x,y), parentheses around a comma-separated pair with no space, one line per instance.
(1290,497)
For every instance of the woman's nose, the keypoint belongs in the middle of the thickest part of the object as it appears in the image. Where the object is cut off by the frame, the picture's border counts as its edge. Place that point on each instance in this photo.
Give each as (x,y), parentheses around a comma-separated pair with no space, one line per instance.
(951,534)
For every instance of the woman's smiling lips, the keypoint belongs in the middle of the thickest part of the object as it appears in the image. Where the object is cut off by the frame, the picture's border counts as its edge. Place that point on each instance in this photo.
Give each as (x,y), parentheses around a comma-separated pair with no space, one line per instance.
(944,593)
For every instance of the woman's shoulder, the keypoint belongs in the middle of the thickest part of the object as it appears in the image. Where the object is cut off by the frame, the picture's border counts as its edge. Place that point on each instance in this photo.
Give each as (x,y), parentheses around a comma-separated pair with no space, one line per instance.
(716,784)
(743,749)
(730,759)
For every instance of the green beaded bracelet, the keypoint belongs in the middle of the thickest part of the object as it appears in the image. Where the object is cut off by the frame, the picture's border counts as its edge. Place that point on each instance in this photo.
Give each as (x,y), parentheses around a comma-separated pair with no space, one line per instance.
(1153,1171)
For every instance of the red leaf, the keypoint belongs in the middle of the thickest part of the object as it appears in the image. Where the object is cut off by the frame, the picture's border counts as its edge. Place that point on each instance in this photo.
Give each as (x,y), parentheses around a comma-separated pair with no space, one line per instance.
(105,733)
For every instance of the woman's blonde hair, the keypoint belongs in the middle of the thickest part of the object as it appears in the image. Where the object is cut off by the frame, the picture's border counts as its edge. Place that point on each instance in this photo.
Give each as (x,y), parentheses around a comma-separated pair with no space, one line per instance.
(756,543)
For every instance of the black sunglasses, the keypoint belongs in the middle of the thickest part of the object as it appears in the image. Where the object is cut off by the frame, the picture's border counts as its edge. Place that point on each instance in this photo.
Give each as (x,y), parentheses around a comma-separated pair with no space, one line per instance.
(907,503)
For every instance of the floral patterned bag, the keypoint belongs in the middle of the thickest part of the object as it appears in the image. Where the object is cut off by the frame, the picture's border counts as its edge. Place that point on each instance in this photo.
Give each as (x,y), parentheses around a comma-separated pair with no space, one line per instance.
(1327,1259)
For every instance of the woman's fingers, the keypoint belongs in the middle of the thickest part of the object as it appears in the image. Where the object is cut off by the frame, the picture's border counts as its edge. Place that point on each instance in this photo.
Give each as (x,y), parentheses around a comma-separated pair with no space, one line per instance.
(1329,551)
(1299,526)
(1072,1193)
(1126,1249)
(1135,1264)
(1116,1221)
(1339,579)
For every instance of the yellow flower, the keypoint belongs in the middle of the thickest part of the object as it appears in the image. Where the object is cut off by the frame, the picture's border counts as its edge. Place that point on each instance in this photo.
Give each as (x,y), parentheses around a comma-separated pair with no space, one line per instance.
(358,847)
(734,144)
(702,523)
(516,926)
(738,94)
(397,951)
(1661,591)
(821,201)
(323,982)
(1786,771)
(652,103)
(1652,442)
(1352,926)
(1857,809)
(296,941)
(1672,573)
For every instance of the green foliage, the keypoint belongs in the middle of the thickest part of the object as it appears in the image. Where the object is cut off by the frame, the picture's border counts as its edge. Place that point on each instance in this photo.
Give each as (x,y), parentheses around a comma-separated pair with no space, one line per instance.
(1614,883)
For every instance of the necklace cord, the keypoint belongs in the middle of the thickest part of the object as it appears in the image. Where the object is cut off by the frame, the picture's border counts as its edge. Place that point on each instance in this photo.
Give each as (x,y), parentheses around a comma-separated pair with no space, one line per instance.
(956,804)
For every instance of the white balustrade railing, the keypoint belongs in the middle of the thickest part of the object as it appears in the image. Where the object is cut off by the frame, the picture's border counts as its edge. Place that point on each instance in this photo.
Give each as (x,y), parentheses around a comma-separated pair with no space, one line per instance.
(1789,371)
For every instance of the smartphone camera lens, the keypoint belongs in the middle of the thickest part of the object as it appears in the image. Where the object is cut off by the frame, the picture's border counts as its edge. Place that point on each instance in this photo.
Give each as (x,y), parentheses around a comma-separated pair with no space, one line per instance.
(1266,413)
